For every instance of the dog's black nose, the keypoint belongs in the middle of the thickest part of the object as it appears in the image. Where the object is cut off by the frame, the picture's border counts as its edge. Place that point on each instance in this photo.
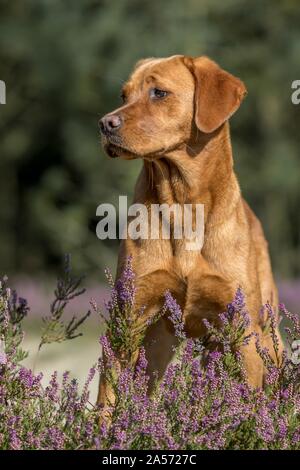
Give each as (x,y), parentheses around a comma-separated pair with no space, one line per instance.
(110,123)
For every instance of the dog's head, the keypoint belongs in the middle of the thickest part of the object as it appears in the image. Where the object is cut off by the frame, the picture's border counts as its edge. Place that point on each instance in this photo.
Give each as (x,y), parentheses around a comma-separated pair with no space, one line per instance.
(164,101)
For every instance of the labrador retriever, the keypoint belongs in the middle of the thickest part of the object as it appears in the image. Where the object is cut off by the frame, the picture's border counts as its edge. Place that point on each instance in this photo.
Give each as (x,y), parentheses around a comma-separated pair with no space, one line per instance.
(174,117)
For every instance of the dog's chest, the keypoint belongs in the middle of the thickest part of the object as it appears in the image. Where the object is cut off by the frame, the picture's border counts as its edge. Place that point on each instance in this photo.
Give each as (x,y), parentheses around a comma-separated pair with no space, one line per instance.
(186,256)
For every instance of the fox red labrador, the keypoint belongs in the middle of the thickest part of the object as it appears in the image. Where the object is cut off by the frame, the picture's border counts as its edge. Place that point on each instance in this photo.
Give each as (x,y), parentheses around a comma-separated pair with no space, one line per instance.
(174,117)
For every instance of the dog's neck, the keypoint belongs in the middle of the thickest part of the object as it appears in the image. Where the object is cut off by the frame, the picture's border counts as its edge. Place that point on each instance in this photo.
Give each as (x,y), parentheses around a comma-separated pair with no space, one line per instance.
(200,171)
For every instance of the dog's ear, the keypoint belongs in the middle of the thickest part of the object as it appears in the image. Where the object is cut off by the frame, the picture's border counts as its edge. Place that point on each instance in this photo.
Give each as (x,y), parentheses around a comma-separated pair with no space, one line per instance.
(218,94)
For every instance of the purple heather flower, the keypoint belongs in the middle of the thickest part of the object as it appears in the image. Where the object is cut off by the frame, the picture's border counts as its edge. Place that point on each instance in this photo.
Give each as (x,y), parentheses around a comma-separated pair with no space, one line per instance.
(125,381)
(188,351)
(124,286)
(292,317)
(14,440)
(89,430)
(3,358)
(205,404)
(282,427)
(65,378)
(142,361)
(94,305)
(107,351)
(54,438)
(175,316)
(30,382)
(85,392)
(52,391)
(296,436)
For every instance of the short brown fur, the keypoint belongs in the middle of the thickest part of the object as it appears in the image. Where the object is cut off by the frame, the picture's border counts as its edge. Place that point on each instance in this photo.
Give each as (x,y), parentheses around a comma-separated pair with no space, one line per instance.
(184,140)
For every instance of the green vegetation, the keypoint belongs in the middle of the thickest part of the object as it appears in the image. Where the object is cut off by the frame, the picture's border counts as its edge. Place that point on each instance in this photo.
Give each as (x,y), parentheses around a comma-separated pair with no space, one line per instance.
(63,63)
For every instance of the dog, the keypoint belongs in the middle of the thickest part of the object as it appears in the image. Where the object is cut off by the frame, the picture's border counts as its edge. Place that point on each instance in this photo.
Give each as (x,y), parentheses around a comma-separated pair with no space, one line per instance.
(174,117)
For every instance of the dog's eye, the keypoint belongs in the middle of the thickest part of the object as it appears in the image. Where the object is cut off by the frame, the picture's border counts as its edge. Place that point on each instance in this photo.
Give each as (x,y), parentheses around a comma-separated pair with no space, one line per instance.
(123,97)
(156,93)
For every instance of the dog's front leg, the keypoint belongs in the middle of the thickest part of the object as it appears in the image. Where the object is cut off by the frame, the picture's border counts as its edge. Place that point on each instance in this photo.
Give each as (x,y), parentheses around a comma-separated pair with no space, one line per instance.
(159,338)
(208,295)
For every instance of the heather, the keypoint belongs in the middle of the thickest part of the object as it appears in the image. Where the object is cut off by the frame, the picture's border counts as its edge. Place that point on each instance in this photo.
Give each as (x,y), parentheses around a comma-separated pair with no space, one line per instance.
(203,400)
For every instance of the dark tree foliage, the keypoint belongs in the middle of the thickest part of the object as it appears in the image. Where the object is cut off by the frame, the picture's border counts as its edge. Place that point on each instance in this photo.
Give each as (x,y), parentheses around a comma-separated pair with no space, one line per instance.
(63,63)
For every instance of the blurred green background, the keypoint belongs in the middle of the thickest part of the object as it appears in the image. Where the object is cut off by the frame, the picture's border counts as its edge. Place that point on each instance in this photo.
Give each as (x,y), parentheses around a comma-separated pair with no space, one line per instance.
(64,62)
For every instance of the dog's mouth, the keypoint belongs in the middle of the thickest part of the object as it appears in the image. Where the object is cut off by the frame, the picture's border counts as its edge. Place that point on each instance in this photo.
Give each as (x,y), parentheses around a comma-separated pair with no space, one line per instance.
(116,148)
(115,151)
